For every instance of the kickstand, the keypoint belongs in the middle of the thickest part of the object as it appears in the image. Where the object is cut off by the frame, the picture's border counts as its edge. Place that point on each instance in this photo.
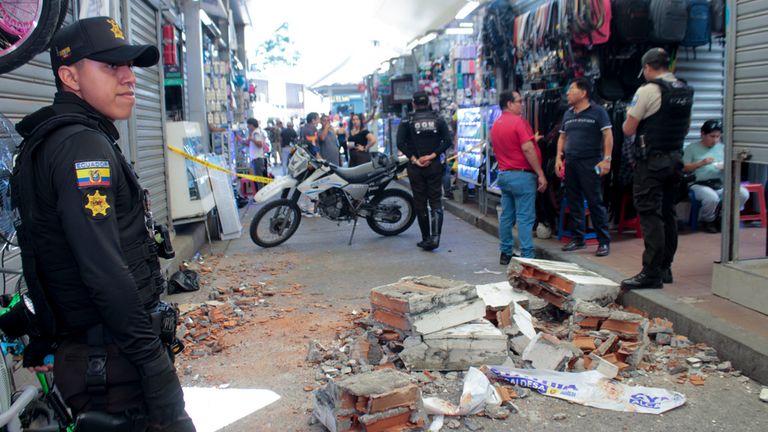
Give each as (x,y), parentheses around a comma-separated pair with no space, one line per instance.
(354,225)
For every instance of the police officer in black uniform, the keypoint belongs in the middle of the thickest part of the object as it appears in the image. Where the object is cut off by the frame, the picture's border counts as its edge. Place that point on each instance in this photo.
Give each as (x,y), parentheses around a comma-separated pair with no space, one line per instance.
(660,116)
(423,137)
(89,246)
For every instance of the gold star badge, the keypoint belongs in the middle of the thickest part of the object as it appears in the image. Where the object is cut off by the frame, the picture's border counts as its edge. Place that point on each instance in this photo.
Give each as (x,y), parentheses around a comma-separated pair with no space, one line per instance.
(97,204)
(116,29)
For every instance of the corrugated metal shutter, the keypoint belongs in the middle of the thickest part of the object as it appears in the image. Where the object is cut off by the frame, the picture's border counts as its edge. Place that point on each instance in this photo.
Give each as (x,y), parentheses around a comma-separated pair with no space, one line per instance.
(23,91)
(30,87)
(146,125)
(750,80)
(706,73)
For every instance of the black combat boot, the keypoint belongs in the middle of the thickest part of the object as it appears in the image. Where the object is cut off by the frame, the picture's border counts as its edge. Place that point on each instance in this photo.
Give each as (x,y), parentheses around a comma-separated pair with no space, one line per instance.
(423,219)
(437,228)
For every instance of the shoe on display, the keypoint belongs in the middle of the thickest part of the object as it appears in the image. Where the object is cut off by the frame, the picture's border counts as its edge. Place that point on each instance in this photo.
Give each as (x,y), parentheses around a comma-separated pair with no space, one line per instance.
(574,245)
(603,250)
(666,276)
(642,281)
(504,259)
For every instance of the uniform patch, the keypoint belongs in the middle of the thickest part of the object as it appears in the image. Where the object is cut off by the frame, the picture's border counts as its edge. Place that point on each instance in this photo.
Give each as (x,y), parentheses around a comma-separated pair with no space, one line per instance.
(93,174)
(97,204)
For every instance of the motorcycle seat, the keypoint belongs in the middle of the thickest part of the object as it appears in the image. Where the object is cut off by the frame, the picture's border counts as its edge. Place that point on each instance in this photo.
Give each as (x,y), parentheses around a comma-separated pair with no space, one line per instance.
(360,173)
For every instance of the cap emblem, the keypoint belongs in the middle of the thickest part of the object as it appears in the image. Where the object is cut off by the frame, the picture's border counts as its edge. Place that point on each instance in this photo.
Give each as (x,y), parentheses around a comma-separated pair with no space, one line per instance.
(64,53)
(116,29)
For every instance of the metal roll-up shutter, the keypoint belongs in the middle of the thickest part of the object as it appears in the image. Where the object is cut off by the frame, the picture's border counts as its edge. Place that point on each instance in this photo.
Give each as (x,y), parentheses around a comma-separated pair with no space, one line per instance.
(30,87)
(749,79)
(146,124)
(705,71)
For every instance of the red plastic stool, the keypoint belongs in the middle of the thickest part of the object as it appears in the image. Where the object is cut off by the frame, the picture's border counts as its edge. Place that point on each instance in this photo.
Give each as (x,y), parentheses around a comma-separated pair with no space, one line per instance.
(633,223)
(247,187)
(761,216)
(565,235)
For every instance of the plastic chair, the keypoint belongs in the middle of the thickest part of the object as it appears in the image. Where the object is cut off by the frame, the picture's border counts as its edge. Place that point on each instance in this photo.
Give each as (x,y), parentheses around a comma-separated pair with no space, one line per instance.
(564,235)
(758,189)
(632,223)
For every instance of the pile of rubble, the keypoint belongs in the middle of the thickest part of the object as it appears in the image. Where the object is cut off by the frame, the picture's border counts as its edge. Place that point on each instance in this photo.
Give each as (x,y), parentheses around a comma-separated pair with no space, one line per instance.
(435,328)
(203,325)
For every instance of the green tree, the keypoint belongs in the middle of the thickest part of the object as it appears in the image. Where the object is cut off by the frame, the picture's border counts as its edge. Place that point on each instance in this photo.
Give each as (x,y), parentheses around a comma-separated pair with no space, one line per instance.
(276,51)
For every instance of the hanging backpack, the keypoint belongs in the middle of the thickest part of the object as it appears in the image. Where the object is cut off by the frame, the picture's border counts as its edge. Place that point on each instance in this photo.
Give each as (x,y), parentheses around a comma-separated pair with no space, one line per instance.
(631,20)
(697,31)
(670,20)
(592,22)
(717,17)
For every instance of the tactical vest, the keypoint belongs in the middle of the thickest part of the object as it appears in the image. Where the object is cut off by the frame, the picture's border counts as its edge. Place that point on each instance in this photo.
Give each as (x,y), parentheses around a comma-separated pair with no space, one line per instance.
(140,256)
(666,129)
(424,134)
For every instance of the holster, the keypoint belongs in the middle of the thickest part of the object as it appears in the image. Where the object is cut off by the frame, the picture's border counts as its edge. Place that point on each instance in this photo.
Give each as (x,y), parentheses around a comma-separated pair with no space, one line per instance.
(98,421)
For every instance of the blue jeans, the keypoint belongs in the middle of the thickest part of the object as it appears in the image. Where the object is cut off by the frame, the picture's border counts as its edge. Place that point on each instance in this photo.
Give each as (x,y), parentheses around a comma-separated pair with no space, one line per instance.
(518,204)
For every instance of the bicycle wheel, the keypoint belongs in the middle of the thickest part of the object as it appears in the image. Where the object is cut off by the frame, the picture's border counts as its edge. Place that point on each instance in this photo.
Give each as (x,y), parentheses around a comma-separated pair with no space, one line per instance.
(26,29)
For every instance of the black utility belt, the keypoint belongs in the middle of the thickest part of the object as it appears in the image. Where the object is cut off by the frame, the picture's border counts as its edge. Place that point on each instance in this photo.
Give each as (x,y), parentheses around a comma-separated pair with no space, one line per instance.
(712,183)
(519,170)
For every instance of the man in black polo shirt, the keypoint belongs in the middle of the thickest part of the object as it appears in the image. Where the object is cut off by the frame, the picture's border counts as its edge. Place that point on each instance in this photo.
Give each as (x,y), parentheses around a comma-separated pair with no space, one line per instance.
(585,144)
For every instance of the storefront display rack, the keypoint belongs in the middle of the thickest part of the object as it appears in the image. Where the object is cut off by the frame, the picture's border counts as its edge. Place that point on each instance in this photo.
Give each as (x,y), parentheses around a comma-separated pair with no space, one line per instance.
(470,143)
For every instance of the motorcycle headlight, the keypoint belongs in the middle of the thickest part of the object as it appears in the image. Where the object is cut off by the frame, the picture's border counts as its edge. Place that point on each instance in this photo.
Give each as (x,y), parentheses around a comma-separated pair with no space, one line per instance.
(298,162)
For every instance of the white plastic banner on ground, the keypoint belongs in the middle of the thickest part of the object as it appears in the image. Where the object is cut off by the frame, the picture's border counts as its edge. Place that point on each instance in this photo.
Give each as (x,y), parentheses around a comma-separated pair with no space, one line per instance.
(593,389)
(477,393)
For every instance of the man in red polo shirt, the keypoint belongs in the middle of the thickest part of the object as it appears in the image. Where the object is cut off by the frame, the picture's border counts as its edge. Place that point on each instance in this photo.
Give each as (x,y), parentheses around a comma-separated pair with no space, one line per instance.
(520,175)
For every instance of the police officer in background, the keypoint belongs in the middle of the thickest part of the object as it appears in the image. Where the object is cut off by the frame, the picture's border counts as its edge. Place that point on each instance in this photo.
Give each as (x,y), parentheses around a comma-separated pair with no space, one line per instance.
(88,243)
(423,137)
(660,116)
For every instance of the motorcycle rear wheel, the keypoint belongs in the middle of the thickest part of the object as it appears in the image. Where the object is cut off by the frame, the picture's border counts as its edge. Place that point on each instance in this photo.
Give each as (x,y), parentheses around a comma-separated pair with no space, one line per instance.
(26,29)
(393,213)
(275,223)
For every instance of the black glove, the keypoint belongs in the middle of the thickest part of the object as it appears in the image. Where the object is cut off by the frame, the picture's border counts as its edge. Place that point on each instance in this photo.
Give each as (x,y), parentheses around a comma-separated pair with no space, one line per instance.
(35,352)
(164,398)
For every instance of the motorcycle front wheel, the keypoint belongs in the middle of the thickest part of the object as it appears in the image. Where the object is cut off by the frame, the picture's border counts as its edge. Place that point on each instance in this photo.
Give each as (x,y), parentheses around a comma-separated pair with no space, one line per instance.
(392,212)
(275,223)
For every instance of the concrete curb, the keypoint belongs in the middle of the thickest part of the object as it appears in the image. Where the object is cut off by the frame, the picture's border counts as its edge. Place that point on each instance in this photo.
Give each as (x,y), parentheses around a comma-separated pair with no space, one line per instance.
(747,352)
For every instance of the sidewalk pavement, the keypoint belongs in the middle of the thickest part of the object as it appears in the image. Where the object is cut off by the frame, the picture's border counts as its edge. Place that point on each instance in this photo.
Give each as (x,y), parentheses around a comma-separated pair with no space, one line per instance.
(738,333)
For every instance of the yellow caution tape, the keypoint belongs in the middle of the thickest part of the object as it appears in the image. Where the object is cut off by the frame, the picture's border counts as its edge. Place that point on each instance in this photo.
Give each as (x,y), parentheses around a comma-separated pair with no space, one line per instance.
(203,162)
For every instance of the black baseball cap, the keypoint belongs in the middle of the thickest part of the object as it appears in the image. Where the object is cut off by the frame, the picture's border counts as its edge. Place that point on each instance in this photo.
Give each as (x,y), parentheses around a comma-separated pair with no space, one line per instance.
(100,39)
(653,55)
(420,98)
(711,125)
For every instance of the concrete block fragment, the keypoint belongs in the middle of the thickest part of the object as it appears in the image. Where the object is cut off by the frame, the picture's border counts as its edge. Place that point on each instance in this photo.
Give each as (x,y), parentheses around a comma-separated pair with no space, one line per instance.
(426,304)
(548,352)
(500,295)
(519,343)
(473,344)
(603,366)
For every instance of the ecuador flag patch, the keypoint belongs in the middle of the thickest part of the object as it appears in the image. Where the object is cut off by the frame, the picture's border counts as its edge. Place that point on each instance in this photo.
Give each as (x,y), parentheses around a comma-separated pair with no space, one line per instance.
(93,174)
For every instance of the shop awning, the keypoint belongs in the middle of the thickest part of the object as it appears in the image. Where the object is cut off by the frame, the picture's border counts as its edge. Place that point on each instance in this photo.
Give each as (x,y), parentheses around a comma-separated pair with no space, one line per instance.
(341,41)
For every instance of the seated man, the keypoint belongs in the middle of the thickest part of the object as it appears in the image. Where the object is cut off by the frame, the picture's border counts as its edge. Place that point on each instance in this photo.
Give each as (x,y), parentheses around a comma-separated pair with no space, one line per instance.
(705,159)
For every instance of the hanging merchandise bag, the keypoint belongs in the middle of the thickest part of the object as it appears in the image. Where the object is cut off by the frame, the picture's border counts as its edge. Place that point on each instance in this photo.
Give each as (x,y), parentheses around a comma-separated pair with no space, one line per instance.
(670,20)
(698,30)
(592,22)
(631,20)
(717,17)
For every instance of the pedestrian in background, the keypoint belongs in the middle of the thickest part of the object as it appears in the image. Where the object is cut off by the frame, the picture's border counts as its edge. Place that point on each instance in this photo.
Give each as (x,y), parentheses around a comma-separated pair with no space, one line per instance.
(257,148)
(288,138)
(360,141)
(328,143)
(308,133)
(585,145)
(520,175)
(706,160)
(660,116)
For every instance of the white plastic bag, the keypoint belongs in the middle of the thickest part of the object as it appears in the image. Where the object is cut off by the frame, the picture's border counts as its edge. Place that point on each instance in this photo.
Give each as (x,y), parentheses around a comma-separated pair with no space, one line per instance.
(593,389)
(477,393)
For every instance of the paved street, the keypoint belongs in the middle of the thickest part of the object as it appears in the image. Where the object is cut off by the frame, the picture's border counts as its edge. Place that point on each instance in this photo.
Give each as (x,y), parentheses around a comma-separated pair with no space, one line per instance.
(320,284)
